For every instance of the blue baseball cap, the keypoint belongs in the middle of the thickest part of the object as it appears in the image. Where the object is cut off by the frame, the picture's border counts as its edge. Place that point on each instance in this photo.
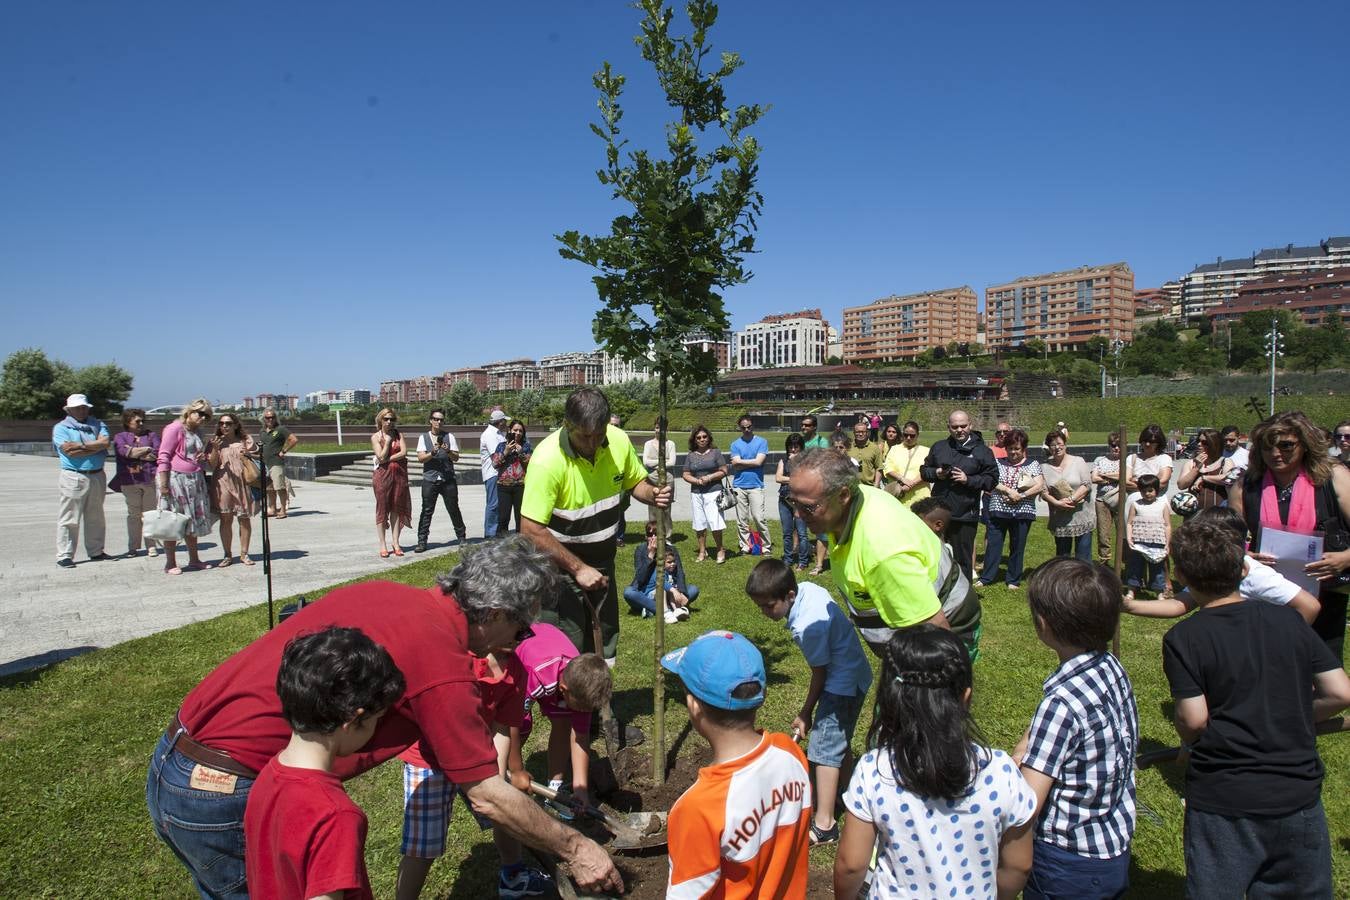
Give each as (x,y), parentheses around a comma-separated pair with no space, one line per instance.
(717,663)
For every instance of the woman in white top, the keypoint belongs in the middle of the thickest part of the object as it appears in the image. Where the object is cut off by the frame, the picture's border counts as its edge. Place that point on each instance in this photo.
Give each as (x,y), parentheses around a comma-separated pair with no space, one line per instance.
(1106,475)
(1068,484)
(1151,460)
(650,451)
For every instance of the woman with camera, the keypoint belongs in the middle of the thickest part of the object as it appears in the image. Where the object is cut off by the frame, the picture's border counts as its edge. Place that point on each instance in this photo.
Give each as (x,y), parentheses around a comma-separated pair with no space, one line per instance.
(511,459)
(1207,473)
(234,460)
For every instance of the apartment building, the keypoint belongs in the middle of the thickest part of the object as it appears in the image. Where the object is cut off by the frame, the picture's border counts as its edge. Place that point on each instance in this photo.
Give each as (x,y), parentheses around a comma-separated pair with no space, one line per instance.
(616,370)
(572,369)
(511,375)
(1063,309)
(1207,286)
(475,375)
(1309,295)
(787,339)
(719,345)
(901,327)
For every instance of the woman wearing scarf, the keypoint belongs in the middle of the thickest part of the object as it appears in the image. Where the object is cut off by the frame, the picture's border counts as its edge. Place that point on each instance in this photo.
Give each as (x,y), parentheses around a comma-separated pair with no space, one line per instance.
(1293,485)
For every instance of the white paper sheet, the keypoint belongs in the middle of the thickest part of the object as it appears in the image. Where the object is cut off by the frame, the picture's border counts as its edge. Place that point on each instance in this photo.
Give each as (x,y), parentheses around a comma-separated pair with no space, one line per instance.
(1293,552)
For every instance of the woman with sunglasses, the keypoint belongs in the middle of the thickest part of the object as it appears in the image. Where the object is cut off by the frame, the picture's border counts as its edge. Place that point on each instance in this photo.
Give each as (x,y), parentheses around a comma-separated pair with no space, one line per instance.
(182,482)
(1207,475)
(1151,460)
(232,493)
(704,468)
(1106,476)
(901,469)
(1293,485)
(393,502)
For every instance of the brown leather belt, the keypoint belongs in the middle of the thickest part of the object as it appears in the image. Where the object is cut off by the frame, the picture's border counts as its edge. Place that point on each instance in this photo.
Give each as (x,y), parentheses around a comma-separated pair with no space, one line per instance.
(200,753)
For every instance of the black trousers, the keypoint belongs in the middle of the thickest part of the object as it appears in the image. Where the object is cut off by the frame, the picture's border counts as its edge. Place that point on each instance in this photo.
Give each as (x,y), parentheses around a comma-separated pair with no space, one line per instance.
(448,491)
(961,535)
(508,499)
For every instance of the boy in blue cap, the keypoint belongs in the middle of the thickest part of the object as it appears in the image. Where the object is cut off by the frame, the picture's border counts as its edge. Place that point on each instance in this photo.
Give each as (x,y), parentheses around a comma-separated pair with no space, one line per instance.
(742,830)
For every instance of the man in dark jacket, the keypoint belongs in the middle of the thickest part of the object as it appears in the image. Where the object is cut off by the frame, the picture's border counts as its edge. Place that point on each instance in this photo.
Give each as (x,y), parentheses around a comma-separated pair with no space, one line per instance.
(961,468)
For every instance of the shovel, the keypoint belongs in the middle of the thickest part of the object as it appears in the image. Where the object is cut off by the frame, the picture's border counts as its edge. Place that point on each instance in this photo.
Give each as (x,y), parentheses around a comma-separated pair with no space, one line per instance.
(630,832)
(608,726)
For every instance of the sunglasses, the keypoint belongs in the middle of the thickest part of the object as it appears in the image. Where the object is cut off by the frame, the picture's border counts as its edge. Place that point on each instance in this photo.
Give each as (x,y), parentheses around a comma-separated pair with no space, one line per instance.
(808,508)
(437,419)
(1287,446)
(1343,436)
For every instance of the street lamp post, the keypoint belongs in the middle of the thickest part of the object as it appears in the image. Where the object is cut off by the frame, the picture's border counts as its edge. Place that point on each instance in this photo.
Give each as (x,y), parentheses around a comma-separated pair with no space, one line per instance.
(1276,349)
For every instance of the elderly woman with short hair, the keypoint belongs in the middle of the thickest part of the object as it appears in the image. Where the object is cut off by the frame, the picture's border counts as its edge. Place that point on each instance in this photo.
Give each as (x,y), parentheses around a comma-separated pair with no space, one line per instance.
(1012,509)
(182,482)
(136,450)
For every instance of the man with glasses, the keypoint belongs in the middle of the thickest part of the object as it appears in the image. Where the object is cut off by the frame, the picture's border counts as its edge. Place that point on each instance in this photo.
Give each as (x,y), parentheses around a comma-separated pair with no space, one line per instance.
(812,439)
(437,451)
(961,469)
(884,559)
(1001,432)
(1340,441)
(276,441)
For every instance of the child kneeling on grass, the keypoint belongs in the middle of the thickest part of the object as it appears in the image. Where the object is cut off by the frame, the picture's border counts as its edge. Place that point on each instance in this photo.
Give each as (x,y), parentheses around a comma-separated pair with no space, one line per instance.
(840,677)
(1249,681)
(1078,754)
(741,830)
(569,686)
(428,796)
(960,603)
(951,812)
(304,836)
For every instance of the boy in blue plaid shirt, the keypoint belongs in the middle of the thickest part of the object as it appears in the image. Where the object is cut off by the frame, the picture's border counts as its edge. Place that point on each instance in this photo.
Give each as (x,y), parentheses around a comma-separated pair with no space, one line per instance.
(1078,753)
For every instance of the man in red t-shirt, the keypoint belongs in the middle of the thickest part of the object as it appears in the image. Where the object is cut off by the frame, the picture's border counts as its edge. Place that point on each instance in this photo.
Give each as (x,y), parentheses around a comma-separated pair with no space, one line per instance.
(231,724)
(306,836)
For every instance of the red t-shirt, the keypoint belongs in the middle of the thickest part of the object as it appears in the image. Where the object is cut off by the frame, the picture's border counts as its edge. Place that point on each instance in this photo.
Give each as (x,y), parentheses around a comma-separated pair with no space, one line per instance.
(235,709)
(304,836)
(503,700)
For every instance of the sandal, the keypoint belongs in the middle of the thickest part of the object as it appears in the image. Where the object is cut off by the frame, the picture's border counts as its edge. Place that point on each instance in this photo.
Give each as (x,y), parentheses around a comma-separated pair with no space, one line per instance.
(384,554)
(821,836)
(243,558)
(224,562)
(197,567)
(398,551)
(176,570)
(721,557)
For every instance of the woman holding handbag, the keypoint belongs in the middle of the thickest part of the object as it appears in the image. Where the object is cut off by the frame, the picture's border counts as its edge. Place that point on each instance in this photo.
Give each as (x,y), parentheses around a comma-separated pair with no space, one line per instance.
(137,452)
(182,483)
(1012,509)
(901,469)
(233,458)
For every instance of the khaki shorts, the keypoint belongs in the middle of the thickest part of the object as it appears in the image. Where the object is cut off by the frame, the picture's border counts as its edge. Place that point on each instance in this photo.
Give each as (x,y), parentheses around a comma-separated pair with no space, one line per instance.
(277,473)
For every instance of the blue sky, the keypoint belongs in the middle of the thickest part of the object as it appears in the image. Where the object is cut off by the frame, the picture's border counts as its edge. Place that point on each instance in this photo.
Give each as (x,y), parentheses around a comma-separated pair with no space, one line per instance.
(234,198)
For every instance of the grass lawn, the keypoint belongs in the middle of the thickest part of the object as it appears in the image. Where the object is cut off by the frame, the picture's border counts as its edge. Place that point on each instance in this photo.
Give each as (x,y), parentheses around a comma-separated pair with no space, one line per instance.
(75,741)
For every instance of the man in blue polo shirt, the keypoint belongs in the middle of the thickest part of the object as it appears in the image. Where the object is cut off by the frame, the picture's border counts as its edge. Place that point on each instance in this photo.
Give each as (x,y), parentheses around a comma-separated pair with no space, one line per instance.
(748,453)
(81,441)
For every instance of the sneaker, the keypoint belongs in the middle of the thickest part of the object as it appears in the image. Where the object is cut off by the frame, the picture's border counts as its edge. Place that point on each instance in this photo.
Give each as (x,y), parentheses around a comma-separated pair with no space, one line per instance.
(66,562)
(519,880)
(672,616)
(681,612)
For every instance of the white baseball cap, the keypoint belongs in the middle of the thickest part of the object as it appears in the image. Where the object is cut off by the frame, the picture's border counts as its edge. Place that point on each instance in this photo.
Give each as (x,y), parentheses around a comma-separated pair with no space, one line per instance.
(75,400)
(497,416)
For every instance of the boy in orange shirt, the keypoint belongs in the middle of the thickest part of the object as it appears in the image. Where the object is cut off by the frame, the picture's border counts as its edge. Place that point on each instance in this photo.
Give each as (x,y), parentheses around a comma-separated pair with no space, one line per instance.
(742,830)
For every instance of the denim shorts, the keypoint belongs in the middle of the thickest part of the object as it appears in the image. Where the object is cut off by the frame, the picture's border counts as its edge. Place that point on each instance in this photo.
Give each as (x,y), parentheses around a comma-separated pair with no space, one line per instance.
(832,729)
(204,829)
(1058,874)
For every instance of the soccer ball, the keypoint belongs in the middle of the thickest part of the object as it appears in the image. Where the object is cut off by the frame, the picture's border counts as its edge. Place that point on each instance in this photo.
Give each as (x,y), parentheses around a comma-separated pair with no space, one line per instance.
(1184,503)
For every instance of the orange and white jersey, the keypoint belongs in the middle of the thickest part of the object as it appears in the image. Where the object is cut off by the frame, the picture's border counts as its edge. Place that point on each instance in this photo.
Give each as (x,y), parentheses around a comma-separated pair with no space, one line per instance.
(743,829)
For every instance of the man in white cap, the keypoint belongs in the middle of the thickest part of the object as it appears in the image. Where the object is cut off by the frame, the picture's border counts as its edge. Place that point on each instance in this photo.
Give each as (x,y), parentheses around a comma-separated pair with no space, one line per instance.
(487,445)
(81,442)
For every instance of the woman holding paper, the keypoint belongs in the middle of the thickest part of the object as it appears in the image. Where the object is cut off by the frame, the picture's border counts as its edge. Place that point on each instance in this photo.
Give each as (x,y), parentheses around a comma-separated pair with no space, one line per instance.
(1293,487)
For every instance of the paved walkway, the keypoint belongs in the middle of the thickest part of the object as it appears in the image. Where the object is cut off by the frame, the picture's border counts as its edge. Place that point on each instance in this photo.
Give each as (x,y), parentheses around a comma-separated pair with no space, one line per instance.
(48,613)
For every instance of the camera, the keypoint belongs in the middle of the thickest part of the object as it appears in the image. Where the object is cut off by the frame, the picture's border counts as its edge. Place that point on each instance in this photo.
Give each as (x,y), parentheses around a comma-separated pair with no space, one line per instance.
(944,471)
(1191,449)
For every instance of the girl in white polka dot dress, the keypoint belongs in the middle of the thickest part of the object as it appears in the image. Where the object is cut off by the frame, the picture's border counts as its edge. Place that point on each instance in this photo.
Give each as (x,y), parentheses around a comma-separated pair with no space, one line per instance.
(949,817)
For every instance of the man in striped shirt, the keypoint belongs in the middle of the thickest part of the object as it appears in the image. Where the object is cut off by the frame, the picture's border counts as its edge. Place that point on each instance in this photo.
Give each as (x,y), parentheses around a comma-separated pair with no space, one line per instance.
(577,479)
(1078,754)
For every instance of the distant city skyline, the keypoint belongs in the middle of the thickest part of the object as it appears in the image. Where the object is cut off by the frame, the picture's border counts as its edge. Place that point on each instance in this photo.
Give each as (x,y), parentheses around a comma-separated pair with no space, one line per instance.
(228,200)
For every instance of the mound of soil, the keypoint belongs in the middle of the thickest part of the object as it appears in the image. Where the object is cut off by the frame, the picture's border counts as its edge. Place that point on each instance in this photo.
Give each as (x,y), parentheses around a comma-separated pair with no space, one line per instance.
(645,872)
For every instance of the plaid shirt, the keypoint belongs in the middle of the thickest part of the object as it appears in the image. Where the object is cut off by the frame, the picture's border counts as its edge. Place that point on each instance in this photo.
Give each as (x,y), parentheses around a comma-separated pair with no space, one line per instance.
(1085,735)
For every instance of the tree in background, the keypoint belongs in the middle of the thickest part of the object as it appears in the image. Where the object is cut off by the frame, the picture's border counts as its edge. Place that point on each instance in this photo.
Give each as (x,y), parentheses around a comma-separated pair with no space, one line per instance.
(1322,346)
(687,234)
(464,403)
(35,387)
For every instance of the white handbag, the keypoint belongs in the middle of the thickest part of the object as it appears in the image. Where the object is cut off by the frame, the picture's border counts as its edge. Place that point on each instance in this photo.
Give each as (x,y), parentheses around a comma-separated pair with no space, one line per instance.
(163,524)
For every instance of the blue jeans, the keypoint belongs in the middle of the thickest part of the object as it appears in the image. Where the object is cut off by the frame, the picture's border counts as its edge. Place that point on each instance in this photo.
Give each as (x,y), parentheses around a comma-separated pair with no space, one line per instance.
(1016,530)
(1078,547)
(490,507)
(205,830)
(1285,856)
(1060,875)
(641,601)
(794,527)
(1140,572)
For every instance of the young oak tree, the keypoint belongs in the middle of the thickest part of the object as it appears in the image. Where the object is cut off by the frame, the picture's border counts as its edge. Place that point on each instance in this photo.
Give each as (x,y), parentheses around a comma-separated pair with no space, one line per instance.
(690,226)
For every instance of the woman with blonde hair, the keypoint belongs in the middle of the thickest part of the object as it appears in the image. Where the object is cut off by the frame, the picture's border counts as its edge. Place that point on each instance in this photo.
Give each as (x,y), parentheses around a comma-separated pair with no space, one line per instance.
(231,450)
(1292,484)
(393,502)
(182,482)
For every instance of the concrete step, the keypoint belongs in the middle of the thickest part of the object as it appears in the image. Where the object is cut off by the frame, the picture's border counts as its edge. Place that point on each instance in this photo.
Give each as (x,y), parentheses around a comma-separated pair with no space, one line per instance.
(360,472)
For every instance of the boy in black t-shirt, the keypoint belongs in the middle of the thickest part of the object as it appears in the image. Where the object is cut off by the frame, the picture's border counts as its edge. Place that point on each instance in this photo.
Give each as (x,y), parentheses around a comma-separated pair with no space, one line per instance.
(1240,674)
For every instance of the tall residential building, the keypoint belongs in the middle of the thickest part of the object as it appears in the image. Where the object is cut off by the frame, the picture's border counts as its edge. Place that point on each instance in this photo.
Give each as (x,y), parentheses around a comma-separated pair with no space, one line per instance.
(788,339)
(475,375)
(511,375)
(1308,295)
(902,327)
(617,371)
(719,345)
(1152,302)
(1063,309)
(1208,285)
(572,369)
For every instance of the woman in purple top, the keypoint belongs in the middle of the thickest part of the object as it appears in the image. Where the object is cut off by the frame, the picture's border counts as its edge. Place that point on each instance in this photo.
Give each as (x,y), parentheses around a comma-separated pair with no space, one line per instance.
(136,450)
(182,483)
